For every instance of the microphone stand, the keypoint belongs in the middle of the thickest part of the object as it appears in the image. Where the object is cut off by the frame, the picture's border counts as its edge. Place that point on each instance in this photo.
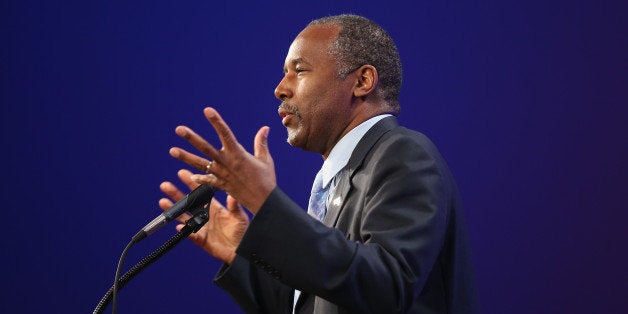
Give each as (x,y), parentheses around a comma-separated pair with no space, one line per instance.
(191,226)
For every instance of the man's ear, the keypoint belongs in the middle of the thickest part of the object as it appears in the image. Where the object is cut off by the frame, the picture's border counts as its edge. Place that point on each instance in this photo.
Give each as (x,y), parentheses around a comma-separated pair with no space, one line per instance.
(366,80)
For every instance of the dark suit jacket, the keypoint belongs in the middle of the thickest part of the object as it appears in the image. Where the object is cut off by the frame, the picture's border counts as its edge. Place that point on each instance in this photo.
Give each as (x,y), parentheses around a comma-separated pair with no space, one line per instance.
(397,245)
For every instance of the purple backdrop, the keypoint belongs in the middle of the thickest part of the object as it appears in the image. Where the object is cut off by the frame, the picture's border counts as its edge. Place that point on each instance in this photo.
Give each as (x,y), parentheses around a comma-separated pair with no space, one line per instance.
(526,100)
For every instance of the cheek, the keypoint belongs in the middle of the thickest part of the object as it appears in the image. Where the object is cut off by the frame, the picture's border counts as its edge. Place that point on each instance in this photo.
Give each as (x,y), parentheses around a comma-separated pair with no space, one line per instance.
(307,91)
(318,99)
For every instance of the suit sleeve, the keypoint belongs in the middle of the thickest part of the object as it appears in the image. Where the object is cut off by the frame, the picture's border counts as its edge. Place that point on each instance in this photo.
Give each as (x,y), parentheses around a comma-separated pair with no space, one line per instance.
(380,263)
(254,290)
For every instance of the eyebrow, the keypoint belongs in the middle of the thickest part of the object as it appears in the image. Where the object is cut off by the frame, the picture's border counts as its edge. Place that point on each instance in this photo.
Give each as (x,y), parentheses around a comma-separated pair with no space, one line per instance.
(296,61)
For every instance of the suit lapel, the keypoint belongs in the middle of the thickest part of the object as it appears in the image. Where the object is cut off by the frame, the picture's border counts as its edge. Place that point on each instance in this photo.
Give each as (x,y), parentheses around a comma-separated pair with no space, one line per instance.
(343,187)
(300,307)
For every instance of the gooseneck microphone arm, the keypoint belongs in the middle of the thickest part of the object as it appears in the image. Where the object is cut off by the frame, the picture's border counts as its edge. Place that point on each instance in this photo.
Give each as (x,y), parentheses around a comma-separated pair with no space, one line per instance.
(196,203)
(192,225)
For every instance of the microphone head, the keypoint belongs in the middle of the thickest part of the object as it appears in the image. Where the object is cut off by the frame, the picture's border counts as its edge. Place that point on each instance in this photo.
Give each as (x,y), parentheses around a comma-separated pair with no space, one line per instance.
(198,198)
(192,203)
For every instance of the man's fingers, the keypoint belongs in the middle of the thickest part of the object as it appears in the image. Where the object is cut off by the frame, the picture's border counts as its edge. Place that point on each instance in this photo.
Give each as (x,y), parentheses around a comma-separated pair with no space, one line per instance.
(215,208)
(197,141)
(209,179)
(171,190)
(233,205)
(260,144)
(227,138)
(165,203)
(195,161)
(185,175)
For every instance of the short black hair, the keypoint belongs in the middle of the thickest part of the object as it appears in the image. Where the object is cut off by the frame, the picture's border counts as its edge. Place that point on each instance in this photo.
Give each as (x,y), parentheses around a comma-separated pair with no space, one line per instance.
(361,41)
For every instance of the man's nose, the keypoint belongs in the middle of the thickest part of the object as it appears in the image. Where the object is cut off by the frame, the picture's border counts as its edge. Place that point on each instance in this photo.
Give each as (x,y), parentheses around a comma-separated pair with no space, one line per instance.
(283,91)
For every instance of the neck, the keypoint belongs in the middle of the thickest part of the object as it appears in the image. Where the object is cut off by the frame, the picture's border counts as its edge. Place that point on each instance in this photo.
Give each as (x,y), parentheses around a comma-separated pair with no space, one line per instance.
(354,122)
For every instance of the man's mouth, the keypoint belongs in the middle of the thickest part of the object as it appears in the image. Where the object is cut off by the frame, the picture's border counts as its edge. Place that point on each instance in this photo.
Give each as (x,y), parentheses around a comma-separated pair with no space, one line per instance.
(286,117)
(285,112)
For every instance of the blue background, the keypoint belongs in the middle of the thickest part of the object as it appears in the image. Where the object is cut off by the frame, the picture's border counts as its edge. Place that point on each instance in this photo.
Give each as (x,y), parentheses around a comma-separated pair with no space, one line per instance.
(525,99)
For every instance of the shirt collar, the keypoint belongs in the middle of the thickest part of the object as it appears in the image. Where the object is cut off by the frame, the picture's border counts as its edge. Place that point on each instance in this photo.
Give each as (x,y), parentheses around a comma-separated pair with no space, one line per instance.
(341,152)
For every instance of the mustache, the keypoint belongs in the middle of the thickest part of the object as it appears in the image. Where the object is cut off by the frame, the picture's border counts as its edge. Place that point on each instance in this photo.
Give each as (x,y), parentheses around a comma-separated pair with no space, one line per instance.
(288,107)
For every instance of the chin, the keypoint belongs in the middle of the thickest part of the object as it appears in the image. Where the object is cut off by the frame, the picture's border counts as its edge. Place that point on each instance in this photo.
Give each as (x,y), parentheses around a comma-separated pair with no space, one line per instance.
(292,136)
(292,141)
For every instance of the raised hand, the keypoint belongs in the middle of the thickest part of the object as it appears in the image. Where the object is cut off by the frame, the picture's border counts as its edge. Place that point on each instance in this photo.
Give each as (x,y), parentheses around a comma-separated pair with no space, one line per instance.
(248,178)
(221,235)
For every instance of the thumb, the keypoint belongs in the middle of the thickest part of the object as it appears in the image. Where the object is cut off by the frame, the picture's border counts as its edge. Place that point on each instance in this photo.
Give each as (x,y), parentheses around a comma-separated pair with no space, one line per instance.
(232,204)
(260,144)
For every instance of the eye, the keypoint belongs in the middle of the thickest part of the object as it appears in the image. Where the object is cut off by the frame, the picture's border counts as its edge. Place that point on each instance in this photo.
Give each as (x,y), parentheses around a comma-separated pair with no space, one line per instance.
(300,70)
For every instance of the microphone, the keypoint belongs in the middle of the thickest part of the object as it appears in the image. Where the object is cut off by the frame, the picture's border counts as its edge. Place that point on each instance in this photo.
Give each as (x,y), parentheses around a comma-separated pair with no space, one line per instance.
(191,203)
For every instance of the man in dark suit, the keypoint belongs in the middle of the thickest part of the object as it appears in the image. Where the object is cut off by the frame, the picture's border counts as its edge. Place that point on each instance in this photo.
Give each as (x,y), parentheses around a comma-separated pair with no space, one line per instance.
(388,236)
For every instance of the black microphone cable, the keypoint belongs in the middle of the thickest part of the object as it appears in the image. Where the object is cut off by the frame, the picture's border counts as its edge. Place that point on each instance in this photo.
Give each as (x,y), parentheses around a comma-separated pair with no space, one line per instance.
(200,216)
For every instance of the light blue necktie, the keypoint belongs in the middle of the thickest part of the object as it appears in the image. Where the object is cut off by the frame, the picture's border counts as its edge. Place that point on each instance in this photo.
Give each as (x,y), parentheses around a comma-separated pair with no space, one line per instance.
(317,206)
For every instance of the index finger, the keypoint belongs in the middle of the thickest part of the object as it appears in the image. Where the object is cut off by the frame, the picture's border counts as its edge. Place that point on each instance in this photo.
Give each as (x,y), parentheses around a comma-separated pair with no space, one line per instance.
(227,138)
